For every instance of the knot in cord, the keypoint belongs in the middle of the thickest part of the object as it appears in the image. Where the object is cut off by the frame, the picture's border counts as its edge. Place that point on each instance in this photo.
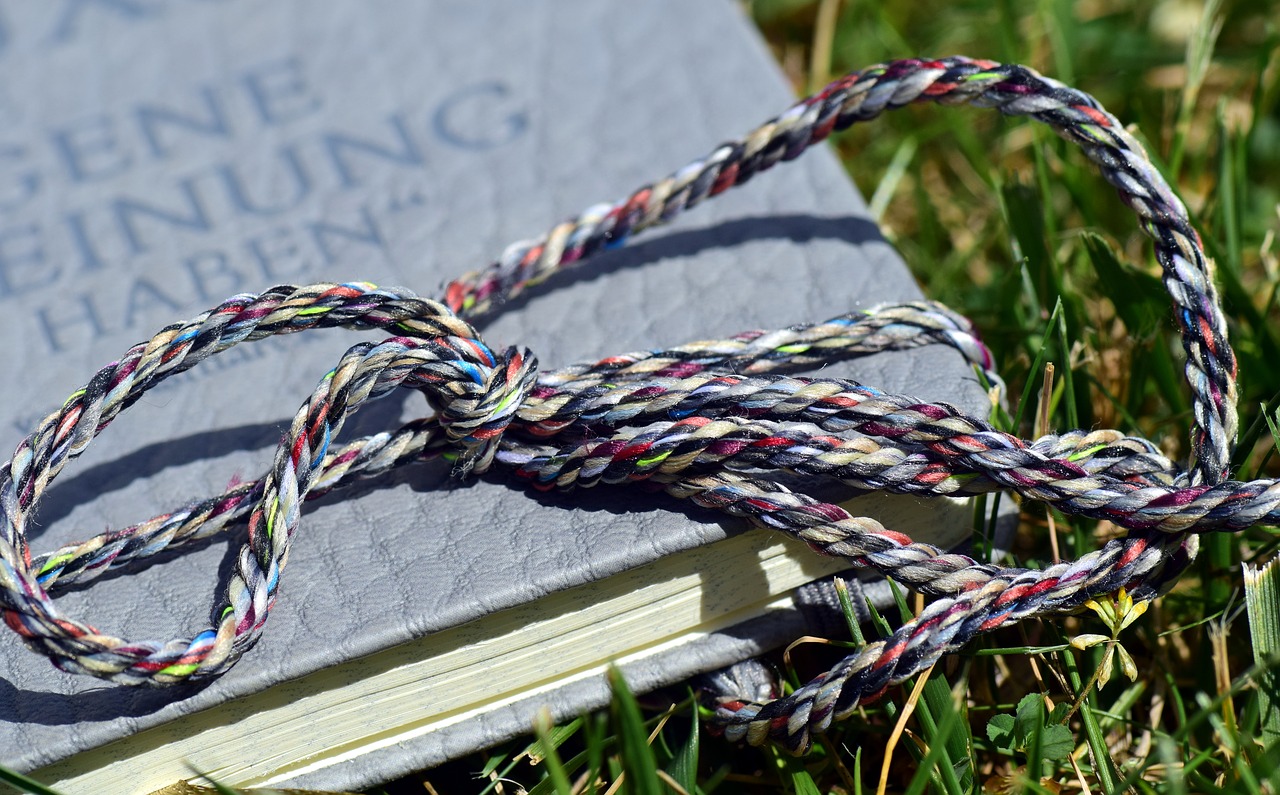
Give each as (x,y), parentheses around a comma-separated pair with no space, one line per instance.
(476,394)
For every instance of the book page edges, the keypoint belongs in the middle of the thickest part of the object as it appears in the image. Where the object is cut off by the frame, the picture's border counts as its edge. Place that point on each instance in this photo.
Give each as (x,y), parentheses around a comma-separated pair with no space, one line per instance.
(464,672)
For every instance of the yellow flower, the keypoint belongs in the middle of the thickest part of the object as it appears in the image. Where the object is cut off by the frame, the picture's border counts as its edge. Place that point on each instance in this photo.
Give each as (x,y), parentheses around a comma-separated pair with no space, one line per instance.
(1117,613)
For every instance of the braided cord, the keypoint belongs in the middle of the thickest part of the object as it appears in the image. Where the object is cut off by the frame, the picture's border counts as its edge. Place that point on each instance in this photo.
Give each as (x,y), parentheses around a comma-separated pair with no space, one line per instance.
(707,422)
(863,95)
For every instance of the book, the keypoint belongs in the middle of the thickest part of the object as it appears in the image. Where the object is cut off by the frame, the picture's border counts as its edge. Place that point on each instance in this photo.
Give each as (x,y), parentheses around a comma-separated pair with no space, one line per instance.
(162,157)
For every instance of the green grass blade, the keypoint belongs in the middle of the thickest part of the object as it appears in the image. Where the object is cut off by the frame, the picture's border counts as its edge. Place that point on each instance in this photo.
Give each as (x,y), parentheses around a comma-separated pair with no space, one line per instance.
(857,771)
(595,733)
(1168,753)
(1143,305)
(1068,380)
(1024,212)
(900,600)
(1094,735)
(1035,756)
(936,701)
(218,787)
(882,627)
(1199,54)
(1217,562)
(491,765)
(936,757)
(1265,416)
(551,739)
(1010,38)
(495,780)
(543,728)
(1037,366)
(1262,601)
(1103,767)
(1003,650)
(893,175)
(637,757)
(24,784)
(850,615)
(1229,208)
(1060,30)
(795,774)
(949,749)
(684,765)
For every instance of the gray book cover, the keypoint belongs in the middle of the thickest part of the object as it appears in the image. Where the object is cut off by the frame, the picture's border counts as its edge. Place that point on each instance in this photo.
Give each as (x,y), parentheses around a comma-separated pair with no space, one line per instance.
(156,158)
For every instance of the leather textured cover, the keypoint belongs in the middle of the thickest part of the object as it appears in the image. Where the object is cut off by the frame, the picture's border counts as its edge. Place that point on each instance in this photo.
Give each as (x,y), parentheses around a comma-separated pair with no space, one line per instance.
(156,157)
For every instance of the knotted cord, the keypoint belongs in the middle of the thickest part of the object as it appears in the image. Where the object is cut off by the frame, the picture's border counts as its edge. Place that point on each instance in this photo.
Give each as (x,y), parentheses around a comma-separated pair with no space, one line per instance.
(705,422)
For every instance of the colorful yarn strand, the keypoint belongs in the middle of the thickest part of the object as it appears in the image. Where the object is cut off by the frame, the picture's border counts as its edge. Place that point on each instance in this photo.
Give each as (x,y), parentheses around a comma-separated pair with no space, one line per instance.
(708,422)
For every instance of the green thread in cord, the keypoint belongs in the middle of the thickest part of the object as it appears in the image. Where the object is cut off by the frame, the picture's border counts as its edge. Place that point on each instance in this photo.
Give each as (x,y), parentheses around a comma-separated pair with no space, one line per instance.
(79,393)
(720,416)
(1082,455)
(506,402)
(179,669)
(654,459)
(54,562)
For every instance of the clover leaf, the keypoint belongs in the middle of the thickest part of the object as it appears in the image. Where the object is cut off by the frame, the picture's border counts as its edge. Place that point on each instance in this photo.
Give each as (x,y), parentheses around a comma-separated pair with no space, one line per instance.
(1019,732)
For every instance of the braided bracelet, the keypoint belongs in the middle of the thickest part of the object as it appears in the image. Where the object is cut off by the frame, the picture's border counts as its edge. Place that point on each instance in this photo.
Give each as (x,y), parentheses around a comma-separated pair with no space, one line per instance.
(707,421)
